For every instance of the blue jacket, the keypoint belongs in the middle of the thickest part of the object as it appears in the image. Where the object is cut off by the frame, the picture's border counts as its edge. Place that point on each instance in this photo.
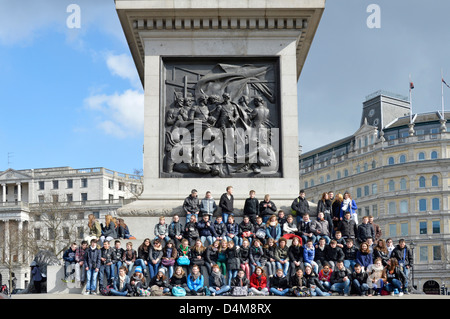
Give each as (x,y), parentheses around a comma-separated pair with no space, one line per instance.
(206,230)
(364,259)
(352,208)
(195,284)
(308,255)
(277,232)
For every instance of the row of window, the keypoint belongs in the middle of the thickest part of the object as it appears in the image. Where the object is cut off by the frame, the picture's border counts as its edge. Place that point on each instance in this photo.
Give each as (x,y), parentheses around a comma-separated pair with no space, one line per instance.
(56,184)
(423,206)
(421,156)
(393,229)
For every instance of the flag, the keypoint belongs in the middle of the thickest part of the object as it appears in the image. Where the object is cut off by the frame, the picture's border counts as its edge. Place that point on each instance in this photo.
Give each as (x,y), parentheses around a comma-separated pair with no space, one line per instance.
(445,83)
(411,85)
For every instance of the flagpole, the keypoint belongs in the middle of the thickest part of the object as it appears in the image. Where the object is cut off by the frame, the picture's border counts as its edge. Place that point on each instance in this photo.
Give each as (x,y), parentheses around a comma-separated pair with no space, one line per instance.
(442,93)
(410,101)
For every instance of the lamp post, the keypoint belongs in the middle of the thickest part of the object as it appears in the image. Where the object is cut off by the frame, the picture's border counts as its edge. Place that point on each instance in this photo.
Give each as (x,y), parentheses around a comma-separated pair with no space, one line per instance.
(412,246)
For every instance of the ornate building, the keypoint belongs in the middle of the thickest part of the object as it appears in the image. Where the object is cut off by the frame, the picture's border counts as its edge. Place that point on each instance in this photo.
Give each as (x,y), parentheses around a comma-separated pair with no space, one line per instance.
(395,166)
(48,208)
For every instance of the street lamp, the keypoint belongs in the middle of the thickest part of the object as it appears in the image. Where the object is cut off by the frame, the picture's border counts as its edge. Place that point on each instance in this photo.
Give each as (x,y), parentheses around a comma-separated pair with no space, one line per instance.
(412,245)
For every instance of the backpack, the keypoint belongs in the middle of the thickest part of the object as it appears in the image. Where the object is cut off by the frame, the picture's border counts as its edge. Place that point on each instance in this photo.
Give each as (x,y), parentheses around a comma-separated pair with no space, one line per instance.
(106,291)
(155,291)
(178,291)
(293,211)
(301,292)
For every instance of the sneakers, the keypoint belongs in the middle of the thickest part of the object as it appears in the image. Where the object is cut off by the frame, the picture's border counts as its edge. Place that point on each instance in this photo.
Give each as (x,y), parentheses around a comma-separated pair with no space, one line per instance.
(86,292)
(400,294)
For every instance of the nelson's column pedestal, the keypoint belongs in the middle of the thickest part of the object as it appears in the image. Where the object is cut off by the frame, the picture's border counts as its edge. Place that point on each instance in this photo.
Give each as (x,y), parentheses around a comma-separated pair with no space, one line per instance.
(221,107)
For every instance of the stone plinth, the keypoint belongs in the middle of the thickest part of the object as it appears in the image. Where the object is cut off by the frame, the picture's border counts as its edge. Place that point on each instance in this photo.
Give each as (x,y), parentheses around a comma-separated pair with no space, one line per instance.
(219,31)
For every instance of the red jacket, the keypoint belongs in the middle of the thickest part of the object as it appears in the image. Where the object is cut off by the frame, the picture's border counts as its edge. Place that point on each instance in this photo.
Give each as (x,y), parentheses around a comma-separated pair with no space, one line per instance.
(257,283)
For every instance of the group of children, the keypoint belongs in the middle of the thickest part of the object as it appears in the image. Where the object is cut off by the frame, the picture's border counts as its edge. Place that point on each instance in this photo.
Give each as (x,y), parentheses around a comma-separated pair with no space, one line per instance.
(262,255)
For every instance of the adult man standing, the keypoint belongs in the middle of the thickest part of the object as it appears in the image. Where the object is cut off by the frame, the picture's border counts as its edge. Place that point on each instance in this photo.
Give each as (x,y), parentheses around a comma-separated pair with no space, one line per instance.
(227,204)
(300,206)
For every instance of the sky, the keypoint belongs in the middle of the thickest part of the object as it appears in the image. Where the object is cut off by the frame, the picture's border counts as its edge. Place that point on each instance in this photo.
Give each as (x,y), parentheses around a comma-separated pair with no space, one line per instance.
(72,97)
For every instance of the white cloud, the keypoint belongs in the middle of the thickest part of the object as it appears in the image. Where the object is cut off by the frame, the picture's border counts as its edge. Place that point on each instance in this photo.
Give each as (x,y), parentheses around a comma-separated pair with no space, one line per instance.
(122,113)
(123,66)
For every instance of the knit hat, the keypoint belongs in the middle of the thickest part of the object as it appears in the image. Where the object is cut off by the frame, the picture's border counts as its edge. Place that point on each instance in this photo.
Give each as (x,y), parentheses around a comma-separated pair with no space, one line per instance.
(138,269)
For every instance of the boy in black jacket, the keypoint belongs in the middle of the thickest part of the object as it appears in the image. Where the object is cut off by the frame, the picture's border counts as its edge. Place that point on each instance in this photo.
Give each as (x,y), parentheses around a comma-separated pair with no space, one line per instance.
(226,203)
(251,207)
(341,279)
(359,281)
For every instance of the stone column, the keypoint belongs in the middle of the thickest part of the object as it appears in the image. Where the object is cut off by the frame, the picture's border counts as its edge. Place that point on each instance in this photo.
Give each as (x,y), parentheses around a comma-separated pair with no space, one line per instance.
(19,192)
(4,193)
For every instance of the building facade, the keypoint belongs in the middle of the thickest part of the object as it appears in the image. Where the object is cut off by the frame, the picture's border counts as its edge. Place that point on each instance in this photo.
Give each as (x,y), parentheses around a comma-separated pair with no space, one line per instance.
(48,208)
(396,167)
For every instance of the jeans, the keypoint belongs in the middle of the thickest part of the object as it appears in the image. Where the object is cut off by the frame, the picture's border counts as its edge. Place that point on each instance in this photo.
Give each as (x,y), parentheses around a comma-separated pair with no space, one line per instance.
(271,268)
(350,264)
(235,239)
(105,269)
(318,292)
(222,289)
(153,269)
(141,262)
(231,275)
(360,288)
(91,280)
(262,292)
(188,217)
(277,292)
(241,239)
(115,292)
(115,269)
(341,287)
(284,266)
(394,284)
(326,284)
(206,238)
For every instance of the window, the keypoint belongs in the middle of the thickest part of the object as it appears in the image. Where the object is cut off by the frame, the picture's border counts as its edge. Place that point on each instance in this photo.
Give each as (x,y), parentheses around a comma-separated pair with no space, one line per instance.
(422,182)
(55,198)
(437,253)
(358,169)
(121,186)
(402,158)
(338,174)
(435,204)
(51,234)
(421,156)
(41,198)
(111,184)
(404,229)
(41,186)
(375,211)
(391,186)
(422,205)
(392,230)
(358,192)
(55,184)
(404,207)
(434,155)
(311,182)
(306,184)
(366,167)
(345,172)
(111,198)
(366,190)
(84,182)
(392,207)
(69,197)
(435,181)
(37,234)
(374,189)
(423,253)
(403,184)
(70,183)
(391,161)
(436,226)
(328,177)
(66,233)
(80,232)
(423,228)
(374,164)
(84,197)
